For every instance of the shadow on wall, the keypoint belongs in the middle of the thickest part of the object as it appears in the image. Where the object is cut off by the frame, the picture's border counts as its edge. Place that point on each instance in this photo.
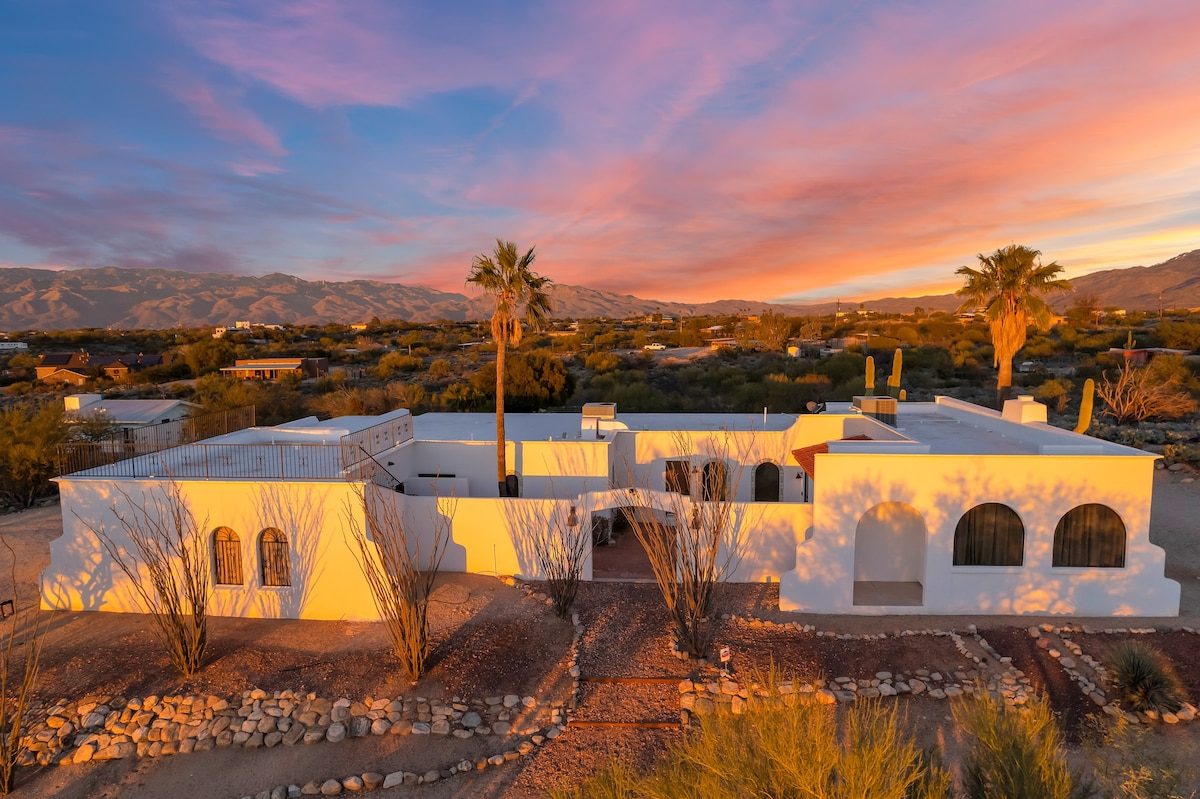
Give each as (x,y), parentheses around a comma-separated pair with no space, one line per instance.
(894,514)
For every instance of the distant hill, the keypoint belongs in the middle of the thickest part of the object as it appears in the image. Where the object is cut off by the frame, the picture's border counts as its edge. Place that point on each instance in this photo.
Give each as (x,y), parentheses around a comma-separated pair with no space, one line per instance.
(40,299)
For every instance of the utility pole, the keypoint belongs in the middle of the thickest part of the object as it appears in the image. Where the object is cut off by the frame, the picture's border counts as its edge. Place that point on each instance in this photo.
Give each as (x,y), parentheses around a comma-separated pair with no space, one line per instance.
(1160,305)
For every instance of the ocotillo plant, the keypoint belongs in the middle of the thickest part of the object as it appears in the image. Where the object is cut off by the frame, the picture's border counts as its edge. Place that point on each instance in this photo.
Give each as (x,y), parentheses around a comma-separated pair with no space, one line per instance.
(894,378)
(870,376)
(1085,407)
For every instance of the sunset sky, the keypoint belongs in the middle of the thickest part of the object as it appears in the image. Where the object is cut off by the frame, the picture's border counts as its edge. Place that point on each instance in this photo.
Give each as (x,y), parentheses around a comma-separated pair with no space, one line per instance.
(684,151)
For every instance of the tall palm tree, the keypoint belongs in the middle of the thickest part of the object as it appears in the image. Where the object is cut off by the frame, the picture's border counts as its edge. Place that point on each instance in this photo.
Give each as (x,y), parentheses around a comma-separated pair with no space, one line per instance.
(520,296)
(1006,285)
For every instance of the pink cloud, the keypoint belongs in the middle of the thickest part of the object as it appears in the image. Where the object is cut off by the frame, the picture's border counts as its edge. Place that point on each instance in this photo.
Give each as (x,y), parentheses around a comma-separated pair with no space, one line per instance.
(226,117)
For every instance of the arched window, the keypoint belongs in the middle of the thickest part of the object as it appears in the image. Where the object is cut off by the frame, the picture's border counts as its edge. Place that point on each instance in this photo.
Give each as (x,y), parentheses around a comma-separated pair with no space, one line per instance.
(227,556)
(512,484)
(766,482)
(716,482)
(1090,535)
(989,535)
(273,552)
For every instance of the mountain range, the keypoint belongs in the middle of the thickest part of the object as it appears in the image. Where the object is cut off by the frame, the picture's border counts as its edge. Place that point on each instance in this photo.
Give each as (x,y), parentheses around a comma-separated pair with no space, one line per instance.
(42,299)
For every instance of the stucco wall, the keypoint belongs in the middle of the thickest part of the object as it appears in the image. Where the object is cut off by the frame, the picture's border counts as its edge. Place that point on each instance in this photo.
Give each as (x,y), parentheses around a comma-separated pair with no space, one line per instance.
(327,582)
(944,487)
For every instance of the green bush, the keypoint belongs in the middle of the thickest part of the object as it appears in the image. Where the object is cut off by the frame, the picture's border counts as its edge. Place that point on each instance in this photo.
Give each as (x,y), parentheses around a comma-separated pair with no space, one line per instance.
(783,748)
(1013,754)
(1182,453)
(1143,679)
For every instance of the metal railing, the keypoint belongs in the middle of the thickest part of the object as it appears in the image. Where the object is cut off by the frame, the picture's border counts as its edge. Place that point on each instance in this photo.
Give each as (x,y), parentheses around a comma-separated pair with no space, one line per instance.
(231,462)
(125,445)
(381,437)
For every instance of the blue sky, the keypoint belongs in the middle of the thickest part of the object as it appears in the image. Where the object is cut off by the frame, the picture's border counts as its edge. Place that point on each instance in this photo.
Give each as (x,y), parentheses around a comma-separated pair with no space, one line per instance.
(684,151)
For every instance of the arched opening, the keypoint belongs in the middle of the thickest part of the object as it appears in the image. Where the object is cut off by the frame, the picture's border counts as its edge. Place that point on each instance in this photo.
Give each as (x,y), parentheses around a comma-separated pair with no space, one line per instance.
(766,482)
(715,486)
(1090,536)
(889,556)
(512,484)
(227,557)
(618,553)
(273,555)
(990,534)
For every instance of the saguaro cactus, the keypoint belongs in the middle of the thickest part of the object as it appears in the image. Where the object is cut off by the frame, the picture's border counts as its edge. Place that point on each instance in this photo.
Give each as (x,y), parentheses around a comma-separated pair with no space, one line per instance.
(1085,407)
(870,376)
(893,380)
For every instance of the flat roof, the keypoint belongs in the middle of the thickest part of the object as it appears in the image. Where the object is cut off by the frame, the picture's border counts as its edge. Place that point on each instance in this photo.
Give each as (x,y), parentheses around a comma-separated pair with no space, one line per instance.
(950,427)
(132,411)
(543,426)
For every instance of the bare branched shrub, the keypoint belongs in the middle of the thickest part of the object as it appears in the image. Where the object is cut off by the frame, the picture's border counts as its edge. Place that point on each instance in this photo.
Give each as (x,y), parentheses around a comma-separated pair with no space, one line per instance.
(1013,754)
(400,575)
(168,568)
(560,546)
(19,656)
(1139,394)
(696,542)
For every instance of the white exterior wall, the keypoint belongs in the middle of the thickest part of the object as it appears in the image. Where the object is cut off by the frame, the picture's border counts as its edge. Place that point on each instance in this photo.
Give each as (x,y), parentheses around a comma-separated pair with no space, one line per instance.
(942,488)
(327,581)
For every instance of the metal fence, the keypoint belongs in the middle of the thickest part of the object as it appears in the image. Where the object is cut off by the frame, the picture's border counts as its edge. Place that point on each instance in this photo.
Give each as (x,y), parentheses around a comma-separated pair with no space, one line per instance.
(126,445)
(232,461)
(381,437)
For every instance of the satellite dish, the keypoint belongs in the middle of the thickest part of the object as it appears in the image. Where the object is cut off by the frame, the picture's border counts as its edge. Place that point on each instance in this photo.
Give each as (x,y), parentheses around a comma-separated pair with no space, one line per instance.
(815,407)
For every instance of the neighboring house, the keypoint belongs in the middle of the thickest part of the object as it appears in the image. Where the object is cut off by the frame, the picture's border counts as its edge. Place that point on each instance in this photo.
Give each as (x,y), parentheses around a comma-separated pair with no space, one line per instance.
(941,507)
(63,367)
(1140,356)
(13,346)
(275,368)
(125,414)
(77,368)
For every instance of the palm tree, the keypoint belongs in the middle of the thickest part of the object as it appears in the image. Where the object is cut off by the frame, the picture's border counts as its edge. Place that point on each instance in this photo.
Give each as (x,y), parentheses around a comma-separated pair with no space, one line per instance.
(520,296)
(1006,285)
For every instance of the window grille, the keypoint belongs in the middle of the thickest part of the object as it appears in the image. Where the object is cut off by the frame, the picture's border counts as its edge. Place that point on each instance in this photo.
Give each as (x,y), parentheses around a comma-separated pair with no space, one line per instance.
(227,556)
(273,550)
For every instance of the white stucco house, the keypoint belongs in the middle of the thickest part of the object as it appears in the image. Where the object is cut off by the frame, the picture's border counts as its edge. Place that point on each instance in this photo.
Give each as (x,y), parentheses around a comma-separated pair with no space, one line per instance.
(867,508)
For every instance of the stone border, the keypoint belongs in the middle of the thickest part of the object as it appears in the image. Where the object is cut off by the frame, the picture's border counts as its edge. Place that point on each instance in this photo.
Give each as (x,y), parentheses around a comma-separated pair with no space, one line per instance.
(992,670)
(560,714)
(1092,676)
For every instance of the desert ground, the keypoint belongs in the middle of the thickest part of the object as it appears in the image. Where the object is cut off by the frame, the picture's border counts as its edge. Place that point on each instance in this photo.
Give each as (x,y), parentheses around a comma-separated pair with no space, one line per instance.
(490,638)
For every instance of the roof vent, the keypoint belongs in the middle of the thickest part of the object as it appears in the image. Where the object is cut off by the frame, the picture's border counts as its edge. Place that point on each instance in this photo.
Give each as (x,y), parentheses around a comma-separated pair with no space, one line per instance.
(1024,410)
(881,408)
(600,410)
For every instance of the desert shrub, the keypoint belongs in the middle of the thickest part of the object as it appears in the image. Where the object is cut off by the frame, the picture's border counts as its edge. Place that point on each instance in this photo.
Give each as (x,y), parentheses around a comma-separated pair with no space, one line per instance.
(1012,754)
(789,747)
(1182,453)
(602,362)
(1055,392)
(1143,679)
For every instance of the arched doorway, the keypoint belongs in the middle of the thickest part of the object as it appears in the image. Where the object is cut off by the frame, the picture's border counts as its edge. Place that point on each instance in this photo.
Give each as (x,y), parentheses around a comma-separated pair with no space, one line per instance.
(889,556)
(617,550)
(766,482)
